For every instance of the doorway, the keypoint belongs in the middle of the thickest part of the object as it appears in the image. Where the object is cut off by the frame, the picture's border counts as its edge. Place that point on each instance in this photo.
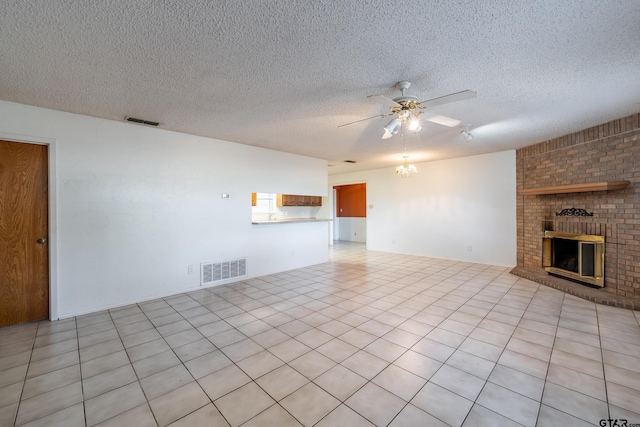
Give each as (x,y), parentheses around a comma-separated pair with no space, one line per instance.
(24,252)
(350,212)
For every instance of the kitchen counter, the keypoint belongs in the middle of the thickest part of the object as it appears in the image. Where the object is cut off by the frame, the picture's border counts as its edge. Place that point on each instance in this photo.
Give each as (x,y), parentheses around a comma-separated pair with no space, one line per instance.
(288,220)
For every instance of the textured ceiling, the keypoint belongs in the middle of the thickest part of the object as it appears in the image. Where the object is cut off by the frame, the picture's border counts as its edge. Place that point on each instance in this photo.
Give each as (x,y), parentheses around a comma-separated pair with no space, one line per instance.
(285,74)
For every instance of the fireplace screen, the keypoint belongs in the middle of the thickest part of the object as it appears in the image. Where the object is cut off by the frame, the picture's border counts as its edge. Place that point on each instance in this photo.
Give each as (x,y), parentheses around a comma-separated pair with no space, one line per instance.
(575,256)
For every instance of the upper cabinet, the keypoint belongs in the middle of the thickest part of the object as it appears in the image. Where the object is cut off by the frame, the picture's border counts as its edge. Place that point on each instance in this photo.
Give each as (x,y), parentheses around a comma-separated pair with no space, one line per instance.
(286,200)
(304,200)
(315,201)
(297,200)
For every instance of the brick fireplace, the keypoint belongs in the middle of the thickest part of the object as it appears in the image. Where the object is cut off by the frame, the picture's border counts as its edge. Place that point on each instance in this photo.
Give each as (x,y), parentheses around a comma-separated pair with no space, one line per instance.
(600,156)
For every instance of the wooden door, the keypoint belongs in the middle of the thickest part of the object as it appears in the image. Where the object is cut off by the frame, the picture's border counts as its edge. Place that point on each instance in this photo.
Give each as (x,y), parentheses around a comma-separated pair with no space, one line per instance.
(24,254)
(352,200)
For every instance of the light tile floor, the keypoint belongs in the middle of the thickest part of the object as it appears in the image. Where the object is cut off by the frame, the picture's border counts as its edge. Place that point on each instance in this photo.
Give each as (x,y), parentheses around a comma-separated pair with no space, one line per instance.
(368,338)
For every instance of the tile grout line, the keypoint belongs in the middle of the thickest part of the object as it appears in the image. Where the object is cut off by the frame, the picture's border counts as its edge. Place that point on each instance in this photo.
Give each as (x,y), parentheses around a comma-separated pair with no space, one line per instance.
(26,373)
(604,371)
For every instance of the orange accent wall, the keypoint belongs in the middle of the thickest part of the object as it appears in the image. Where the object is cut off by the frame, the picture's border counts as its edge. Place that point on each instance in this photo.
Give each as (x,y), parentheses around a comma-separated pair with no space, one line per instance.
(352,200)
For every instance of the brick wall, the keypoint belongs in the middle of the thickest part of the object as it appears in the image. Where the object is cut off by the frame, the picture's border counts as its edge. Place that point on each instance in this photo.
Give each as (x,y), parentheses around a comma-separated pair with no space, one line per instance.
(608,152)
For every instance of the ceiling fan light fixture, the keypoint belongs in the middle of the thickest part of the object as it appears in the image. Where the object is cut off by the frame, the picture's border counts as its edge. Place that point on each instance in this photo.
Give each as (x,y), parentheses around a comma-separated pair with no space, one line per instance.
(414,125)
(406,109)
(391,125)
(392,128)
(466,135)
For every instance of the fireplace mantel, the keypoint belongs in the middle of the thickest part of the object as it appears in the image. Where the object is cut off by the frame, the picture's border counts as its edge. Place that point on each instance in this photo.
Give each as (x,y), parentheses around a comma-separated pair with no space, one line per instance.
(576,188)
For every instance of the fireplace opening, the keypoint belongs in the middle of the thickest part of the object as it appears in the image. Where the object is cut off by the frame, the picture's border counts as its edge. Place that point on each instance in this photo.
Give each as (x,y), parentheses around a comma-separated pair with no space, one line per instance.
(565,254)
(574,256)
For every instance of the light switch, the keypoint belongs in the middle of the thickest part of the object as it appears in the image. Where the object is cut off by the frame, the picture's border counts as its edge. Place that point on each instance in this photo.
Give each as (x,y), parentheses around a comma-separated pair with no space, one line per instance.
(225,195)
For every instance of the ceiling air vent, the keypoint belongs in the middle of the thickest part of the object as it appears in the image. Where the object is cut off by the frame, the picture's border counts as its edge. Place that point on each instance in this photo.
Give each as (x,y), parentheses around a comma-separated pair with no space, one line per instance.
(349,161)
(142,121)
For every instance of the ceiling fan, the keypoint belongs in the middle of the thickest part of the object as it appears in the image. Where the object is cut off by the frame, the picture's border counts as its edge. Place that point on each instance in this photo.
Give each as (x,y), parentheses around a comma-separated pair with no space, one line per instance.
(406,110)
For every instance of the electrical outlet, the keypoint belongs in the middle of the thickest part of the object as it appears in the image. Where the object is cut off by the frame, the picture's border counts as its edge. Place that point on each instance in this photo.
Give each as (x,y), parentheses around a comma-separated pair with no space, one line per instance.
(469,248)
(190,269)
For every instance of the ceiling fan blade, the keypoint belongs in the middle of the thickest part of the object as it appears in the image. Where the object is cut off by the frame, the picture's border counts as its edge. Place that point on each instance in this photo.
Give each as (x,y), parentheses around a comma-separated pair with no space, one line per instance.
(458,96)
(381,116)
(441,120)
(384,101)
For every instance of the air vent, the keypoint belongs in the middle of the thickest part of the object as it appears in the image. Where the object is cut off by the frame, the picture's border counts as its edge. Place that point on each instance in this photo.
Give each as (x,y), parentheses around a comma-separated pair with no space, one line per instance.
(212,272)
(142,121)
(349,161)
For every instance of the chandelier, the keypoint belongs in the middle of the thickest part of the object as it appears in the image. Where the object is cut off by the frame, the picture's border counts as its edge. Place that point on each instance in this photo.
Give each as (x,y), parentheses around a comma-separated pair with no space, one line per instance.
(406,170)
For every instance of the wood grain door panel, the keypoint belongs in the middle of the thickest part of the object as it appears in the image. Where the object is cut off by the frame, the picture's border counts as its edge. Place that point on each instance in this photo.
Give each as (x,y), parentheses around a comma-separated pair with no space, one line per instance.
(24,263)
(352,200)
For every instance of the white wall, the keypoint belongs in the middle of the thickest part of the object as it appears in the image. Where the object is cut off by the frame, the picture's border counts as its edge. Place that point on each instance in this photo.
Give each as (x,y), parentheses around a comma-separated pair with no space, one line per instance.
(449,207)
(134,206)
(352,229)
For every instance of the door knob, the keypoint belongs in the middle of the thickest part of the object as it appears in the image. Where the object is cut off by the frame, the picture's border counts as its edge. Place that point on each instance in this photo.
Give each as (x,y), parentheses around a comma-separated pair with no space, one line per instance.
(42,240)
